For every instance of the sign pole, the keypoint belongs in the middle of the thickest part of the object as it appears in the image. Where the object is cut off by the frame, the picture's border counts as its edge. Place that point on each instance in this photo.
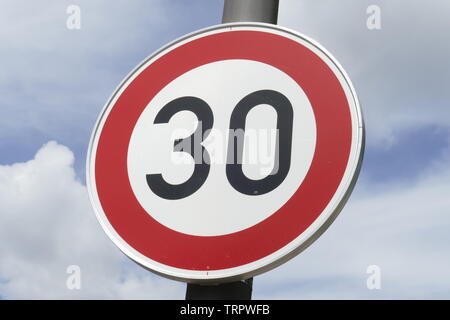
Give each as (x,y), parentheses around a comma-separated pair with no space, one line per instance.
(236,11)
(250,11)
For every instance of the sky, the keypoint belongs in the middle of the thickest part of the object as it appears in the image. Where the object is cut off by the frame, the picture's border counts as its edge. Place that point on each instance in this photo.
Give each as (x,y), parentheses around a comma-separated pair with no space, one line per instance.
(54,82)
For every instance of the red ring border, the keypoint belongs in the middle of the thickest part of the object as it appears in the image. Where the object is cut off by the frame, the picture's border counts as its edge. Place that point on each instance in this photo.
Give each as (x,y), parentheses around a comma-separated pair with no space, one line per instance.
(333,143)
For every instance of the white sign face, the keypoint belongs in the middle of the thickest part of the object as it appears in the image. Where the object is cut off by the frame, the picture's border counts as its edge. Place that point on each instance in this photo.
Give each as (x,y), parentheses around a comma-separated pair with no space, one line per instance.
(221,85)
(225,153)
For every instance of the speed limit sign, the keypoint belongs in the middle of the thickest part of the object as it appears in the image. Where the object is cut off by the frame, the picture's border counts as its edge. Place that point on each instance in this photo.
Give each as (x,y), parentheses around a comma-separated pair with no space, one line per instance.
(225,153)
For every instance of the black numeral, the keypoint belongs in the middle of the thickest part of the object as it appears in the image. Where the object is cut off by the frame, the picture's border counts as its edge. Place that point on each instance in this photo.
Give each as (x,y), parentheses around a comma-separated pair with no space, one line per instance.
(283,147)
(201,170)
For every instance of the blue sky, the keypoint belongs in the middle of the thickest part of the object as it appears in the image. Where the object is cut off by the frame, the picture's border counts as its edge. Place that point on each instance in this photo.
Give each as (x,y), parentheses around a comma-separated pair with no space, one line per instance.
(54,82)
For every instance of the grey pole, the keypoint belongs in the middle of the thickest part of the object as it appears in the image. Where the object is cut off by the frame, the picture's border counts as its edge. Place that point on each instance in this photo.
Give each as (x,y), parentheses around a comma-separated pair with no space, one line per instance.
(250,10)
(236,11)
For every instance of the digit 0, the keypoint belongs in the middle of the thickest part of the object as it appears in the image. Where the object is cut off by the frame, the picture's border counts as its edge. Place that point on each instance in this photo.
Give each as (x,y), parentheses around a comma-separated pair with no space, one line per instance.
(282,162)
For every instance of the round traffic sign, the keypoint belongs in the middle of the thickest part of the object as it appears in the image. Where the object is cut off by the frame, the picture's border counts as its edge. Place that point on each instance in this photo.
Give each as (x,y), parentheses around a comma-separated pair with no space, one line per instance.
(225,153)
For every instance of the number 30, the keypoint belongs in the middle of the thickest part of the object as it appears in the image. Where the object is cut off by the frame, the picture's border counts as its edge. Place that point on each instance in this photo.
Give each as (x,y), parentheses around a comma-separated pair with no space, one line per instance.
(234,172)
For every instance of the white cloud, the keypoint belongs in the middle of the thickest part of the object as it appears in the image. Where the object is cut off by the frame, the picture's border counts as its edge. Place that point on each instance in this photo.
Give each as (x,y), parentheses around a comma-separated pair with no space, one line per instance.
(47,224)
(51,74)
(54,81)
(401,72)
(402,229)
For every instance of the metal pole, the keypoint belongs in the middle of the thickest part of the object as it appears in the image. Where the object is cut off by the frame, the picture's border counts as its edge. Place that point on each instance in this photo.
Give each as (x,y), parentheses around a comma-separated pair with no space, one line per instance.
(250,10)
(236,11)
